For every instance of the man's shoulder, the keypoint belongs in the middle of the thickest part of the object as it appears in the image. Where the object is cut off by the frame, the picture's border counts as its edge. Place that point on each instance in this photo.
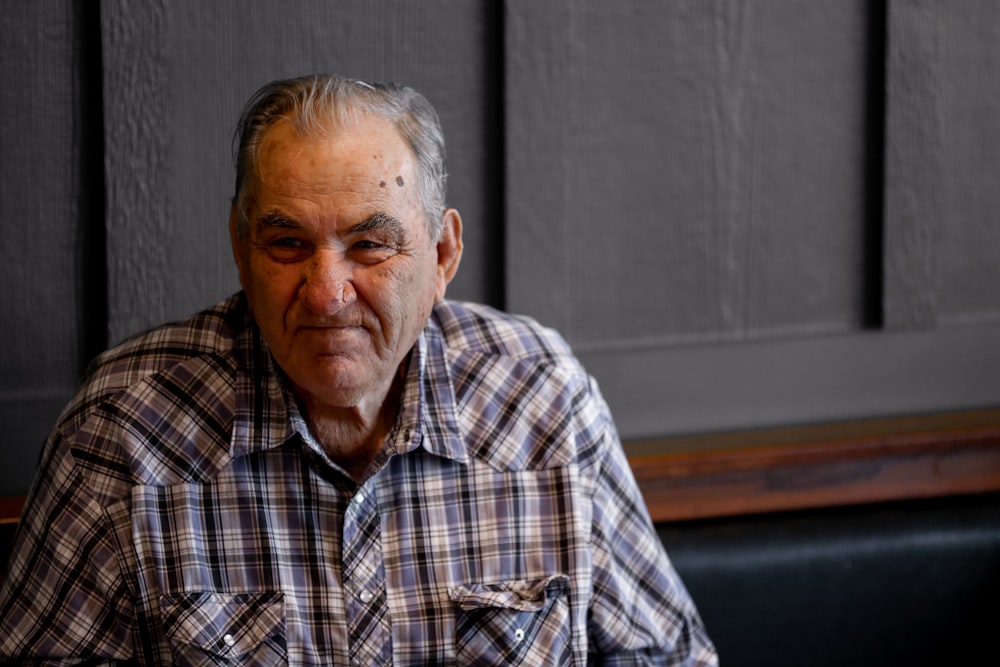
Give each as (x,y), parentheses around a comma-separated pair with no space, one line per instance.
(208,335)
(211,331)
(169,389)
(522,399)
(477,328)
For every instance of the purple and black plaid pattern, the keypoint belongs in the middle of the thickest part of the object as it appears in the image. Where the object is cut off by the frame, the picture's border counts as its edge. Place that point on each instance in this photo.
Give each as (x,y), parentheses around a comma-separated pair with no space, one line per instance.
(184,515)
(225,630)
(368,626)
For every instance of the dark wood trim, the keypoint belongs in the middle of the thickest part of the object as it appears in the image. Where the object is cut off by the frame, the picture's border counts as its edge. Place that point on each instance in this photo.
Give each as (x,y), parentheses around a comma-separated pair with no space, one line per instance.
(803,467)
(881,466)
(10,509)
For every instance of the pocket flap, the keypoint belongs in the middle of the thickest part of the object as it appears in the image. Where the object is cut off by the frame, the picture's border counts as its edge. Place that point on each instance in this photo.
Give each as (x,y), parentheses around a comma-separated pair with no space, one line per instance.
(520,594)
(223,625)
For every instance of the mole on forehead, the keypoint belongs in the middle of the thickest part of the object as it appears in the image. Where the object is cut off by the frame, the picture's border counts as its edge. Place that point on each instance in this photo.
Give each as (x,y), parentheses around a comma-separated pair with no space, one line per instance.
(399,181)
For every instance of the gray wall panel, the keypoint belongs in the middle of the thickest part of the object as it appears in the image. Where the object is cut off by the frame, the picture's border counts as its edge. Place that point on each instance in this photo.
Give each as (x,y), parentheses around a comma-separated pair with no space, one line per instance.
(915,200)
(140,218)
(177,76)
(687,171)
(943,164)
(742,213)
(698,389)
(45,196)
(970,248)
(41,241)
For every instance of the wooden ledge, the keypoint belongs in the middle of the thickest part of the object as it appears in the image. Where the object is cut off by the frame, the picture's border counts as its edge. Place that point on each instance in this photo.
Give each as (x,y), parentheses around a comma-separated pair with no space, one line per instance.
(961,456)
(10,509)
(718,475)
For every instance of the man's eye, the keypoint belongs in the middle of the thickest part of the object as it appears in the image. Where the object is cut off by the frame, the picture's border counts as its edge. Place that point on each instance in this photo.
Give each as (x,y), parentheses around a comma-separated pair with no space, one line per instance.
(286,248)
(370,251)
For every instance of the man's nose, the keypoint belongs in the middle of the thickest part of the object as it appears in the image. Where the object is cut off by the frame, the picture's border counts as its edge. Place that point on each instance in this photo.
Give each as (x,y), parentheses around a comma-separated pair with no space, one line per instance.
(327,285)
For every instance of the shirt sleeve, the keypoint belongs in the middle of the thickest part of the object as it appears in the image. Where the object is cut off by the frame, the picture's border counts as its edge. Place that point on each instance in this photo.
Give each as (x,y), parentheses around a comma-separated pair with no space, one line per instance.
(63,600)
(640,612)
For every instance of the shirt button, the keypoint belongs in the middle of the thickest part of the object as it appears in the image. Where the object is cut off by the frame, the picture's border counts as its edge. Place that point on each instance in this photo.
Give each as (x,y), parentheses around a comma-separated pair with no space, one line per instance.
(518,635)
(230,640)
(366,597)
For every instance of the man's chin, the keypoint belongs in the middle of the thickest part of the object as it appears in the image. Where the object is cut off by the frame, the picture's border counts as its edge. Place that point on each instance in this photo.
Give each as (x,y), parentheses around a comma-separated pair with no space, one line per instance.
(336,381)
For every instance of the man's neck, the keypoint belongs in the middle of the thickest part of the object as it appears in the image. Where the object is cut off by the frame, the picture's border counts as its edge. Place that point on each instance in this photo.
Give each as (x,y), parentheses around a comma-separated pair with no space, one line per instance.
(353,436)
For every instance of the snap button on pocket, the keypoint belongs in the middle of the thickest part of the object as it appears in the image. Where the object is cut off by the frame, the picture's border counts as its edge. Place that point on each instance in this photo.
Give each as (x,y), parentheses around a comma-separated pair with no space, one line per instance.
(525,622)
(209,628)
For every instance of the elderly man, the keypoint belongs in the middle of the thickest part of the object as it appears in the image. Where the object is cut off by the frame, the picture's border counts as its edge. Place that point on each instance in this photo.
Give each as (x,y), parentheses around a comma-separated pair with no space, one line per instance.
(336,466)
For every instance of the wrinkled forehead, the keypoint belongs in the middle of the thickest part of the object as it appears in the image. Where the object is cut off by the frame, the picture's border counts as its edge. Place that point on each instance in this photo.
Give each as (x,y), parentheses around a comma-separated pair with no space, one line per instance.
(325,119)
(345,175)
(372,144)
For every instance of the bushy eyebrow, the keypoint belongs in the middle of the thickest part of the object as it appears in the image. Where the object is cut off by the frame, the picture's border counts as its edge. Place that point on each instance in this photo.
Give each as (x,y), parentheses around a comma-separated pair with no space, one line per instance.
(380,222)
(273,219)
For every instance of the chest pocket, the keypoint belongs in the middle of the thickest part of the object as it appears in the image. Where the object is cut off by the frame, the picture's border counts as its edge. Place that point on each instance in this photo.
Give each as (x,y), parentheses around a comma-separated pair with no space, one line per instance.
(209,629)
(514,622)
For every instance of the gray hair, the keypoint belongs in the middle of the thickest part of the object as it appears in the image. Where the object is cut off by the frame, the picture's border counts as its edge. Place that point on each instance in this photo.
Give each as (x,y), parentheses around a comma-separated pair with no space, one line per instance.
(322,101)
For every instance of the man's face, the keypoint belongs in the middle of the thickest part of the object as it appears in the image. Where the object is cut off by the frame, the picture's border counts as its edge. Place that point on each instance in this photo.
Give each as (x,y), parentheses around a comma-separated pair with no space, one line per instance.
(338,264)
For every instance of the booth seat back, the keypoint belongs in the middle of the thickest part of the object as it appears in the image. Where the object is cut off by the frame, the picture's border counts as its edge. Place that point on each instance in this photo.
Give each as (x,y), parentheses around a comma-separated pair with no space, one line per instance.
(908,584)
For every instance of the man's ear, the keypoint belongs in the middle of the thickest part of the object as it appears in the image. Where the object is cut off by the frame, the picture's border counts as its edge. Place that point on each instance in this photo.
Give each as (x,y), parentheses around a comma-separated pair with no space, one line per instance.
(239,245)
(449,250)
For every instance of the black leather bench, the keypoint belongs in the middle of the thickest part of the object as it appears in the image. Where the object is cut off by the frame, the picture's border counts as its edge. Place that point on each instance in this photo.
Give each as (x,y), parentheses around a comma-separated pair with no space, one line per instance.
(910,584)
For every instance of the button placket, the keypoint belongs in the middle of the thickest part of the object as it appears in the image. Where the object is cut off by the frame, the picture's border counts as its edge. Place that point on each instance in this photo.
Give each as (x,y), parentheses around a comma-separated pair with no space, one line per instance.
(364,581)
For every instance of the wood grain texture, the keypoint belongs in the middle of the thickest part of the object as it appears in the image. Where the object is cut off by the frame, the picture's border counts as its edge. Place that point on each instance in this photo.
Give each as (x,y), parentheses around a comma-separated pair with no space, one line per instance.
(942,164)
(915,212)
(862,469)
(177,76)
(139,218)
(683,188)
(48,194)
(40,254)
(968,263)
(686,171)
(798,468)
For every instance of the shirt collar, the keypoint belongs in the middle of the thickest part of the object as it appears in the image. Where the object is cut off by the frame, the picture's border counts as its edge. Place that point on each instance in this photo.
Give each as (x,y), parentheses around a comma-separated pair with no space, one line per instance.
(429,399)
(264,418)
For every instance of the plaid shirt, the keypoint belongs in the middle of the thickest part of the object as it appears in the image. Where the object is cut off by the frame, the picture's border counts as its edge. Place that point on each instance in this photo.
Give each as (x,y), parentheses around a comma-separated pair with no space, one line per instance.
(184,515)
